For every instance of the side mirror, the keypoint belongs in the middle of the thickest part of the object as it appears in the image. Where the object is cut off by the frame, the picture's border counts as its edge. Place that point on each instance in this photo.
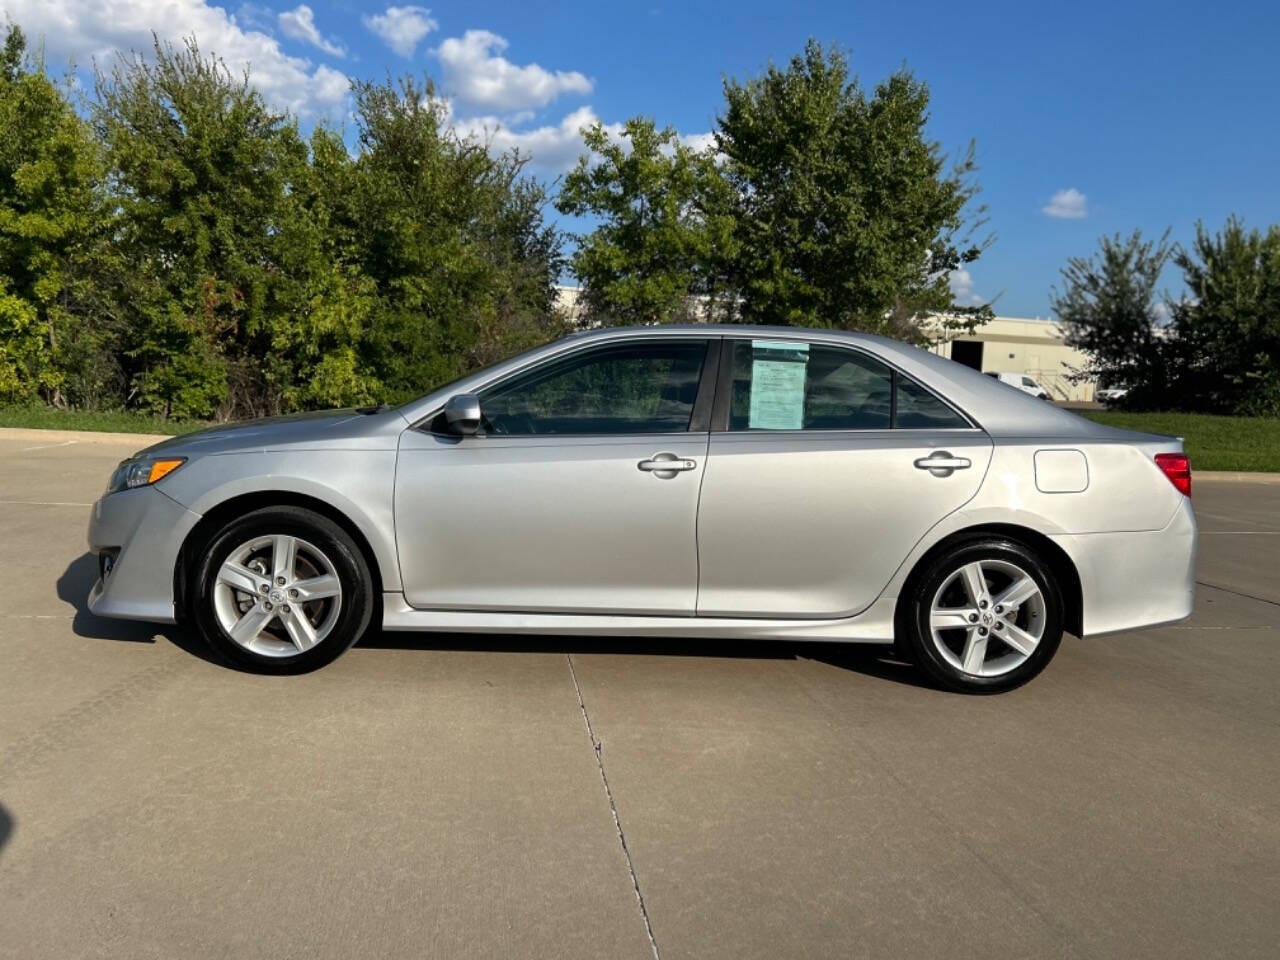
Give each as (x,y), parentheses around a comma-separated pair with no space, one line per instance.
(462,414)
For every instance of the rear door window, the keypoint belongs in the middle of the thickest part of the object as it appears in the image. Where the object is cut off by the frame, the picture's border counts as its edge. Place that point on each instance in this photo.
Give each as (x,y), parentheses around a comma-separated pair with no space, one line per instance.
(794,385)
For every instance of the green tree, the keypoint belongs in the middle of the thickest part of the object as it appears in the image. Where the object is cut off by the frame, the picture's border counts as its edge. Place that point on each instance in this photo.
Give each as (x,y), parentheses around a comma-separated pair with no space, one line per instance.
(452,237)
(663,228)
(187,251)
(50,212)
(24,352)
(1107,307)
(1228,324)
(818,205)
(203,172)
(320,350)
(844,210)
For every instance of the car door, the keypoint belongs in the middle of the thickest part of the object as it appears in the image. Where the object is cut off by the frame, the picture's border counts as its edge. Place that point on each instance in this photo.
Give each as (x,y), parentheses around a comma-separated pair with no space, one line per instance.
(578,495)
(825,467)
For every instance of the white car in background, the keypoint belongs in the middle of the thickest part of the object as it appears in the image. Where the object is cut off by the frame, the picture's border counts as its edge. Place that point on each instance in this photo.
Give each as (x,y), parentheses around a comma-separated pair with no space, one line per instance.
(1109,394)
(1020,381)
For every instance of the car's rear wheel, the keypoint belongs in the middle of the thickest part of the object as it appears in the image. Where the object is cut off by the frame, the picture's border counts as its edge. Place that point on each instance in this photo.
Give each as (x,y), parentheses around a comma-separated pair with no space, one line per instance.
(282,590)
(984,616)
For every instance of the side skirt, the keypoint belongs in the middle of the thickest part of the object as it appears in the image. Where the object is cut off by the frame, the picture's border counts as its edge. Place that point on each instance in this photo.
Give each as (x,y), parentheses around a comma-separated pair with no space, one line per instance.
(873,625)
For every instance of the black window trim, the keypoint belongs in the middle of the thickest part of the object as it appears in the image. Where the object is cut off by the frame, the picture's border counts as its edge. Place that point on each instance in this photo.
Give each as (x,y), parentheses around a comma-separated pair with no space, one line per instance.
(724,392)
(699,420)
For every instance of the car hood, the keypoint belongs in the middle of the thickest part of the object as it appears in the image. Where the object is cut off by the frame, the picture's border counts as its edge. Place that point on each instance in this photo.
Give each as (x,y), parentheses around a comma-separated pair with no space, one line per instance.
(338,429)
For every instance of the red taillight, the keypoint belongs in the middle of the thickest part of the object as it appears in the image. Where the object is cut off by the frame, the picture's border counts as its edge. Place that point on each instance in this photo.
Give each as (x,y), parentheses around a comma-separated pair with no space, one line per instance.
(1177,468)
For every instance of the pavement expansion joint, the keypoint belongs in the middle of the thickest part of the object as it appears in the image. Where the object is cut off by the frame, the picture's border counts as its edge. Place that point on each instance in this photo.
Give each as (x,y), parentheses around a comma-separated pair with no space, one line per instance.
(613,808)
(1237,593)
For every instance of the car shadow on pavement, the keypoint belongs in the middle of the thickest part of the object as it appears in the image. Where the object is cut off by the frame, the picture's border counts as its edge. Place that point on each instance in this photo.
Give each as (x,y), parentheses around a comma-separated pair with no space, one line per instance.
(874,660)
(6,827)
(869,659)
(73,588)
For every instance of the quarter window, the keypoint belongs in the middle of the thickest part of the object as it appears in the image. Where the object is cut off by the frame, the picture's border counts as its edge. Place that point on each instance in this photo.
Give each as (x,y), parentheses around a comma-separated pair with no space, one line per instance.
(792,385)
(918,409)
(628,388)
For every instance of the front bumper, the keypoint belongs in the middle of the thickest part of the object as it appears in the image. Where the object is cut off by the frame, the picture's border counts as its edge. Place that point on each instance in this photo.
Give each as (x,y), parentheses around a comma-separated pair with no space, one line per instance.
(145,530)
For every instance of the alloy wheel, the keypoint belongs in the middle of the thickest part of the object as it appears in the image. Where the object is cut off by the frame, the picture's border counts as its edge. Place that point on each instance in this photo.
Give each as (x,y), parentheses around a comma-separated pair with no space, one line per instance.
(277,596)
(987,618)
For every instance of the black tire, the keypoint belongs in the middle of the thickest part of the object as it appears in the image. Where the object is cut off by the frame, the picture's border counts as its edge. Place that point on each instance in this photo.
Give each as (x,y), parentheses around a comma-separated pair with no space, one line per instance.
(355,611)
(914,636)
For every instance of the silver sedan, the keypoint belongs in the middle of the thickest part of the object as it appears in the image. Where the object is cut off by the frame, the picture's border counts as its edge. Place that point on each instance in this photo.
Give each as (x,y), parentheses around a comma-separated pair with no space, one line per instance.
(665,481)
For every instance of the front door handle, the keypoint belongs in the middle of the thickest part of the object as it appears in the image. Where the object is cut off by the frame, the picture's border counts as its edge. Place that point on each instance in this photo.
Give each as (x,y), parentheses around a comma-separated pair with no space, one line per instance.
(941,463)
(665,465)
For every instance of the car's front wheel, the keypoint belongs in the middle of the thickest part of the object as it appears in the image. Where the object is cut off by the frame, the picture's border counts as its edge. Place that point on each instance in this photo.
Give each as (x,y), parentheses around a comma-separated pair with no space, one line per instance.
(282,590)
(984,616)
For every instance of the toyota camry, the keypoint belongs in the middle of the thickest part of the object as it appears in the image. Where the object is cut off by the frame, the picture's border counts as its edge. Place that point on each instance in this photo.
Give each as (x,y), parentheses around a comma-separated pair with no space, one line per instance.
(721,481)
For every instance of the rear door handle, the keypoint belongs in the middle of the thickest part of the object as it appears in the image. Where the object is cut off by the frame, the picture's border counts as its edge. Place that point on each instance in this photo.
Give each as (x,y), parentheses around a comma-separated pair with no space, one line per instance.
(666,465)
(941,463)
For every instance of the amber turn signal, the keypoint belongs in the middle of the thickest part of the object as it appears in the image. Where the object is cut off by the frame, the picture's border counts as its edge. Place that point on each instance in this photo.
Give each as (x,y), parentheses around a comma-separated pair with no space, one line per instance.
(162,468)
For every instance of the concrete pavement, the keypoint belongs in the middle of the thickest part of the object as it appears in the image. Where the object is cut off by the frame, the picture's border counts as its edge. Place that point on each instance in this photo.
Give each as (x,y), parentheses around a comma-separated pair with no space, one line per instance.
(494,797)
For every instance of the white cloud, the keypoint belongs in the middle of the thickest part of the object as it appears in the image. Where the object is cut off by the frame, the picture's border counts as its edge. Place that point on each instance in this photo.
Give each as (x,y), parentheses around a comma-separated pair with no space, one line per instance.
(330,85)
(698,141)
(553,148)
(490,99)
(401,28)
(1069,204)
(83,30)
(476,74)
(961,283)
(300,23)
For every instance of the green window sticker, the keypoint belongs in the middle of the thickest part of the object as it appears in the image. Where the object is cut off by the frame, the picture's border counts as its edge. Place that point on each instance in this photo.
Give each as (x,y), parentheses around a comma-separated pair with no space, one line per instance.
(777,384)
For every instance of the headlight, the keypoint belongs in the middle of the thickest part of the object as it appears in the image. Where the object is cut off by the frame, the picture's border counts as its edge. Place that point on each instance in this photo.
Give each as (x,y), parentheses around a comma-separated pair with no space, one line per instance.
(140,473)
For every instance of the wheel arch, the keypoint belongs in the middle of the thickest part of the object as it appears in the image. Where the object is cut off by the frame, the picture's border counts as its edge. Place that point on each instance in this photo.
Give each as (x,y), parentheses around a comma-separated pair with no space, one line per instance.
(228,509)
(1061,565)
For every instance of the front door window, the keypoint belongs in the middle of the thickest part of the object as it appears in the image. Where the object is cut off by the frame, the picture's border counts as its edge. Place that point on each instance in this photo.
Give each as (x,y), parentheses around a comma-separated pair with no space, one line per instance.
(624,389)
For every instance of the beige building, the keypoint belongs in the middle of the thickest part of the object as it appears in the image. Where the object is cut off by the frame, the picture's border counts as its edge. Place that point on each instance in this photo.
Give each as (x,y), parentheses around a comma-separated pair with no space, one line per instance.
(1034,347)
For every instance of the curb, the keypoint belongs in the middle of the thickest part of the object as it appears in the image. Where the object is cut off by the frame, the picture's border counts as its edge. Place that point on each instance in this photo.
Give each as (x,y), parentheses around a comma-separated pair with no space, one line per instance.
(1231,476)
(78,436)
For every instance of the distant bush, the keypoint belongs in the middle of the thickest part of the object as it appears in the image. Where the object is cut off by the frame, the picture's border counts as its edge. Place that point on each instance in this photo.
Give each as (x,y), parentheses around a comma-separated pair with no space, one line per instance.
(1219,352)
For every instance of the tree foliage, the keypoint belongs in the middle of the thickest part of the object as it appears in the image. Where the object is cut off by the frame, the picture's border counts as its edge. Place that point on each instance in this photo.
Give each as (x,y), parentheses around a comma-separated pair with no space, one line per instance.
(1228,325)
(50,214)
(185,250)
(452,237)
(1108,310)
(203,172)
(817,205)
(844,208)
(1220,350)
(663,226)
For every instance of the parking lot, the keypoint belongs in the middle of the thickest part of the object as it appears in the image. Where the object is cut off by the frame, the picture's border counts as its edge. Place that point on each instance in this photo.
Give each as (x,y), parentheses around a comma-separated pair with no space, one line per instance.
(441,796)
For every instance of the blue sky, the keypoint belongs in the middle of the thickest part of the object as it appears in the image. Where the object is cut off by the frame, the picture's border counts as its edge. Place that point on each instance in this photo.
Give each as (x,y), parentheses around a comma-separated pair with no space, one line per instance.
(1110,115)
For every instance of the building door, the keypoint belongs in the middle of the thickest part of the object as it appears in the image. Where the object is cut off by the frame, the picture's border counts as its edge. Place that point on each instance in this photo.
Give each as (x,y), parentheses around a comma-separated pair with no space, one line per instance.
(968,352)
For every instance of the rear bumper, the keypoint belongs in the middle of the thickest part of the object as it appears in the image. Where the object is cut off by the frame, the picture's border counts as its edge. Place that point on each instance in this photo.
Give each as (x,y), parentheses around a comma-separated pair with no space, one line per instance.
(1132,580)
(145,530)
